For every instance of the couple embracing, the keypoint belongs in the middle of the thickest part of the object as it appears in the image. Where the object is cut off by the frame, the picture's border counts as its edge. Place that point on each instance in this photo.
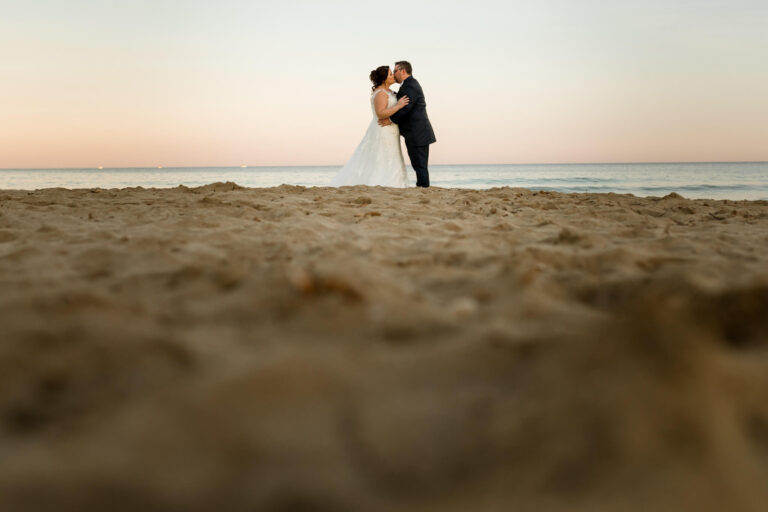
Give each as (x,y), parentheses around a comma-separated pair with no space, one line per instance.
(378,159)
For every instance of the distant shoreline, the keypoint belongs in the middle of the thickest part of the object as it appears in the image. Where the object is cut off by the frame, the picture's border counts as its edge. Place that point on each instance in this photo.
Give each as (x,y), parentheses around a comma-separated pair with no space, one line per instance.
(715,180)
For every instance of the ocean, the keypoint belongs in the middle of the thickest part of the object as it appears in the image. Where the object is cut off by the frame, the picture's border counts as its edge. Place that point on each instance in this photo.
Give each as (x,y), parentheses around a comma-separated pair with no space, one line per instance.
(717,180)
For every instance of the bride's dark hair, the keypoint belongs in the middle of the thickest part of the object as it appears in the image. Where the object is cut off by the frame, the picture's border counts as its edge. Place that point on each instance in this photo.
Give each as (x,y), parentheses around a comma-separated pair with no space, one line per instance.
(378,76)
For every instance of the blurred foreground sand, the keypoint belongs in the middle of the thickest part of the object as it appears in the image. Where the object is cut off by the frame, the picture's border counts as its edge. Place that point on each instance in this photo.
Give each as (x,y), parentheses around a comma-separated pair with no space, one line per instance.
(284,349)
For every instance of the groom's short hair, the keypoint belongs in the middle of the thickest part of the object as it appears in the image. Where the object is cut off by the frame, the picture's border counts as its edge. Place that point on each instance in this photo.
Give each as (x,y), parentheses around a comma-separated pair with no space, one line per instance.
(405,66)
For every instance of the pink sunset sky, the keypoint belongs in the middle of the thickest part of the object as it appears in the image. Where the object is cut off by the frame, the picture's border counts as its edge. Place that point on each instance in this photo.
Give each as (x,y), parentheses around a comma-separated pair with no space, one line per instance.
(192,83)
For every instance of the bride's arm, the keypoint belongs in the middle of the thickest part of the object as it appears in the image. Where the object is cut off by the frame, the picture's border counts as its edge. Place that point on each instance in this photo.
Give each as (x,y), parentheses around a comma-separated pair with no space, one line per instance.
(380,103)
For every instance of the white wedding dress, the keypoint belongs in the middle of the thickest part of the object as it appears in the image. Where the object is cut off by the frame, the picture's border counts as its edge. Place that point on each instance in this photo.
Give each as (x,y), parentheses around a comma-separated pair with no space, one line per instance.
(378,159)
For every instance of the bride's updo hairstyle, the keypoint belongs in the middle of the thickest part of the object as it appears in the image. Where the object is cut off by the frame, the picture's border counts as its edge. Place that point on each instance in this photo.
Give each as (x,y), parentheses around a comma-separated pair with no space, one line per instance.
(378,76)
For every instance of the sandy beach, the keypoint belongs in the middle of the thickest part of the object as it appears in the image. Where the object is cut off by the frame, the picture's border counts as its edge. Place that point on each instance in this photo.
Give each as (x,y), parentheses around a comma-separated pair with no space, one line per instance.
(372,349)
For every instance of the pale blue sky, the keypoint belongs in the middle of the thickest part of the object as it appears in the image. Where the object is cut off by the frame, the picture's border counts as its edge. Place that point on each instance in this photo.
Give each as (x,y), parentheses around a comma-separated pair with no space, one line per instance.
(87,83)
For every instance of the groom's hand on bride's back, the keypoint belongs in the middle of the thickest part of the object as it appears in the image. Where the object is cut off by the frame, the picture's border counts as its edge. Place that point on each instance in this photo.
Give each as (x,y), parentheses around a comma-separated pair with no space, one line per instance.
(385,122)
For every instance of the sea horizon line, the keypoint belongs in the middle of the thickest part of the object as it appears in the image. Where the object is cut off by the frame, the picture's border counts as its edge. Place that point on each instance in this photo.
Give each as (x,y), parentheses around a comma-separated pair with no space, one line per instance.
(246,166)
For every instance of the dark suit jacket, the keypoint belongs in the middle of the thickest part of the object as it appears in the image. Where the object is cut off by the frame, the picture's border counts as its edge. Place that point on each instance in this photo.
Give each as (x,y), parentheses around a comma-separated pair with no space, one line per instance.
(412,119)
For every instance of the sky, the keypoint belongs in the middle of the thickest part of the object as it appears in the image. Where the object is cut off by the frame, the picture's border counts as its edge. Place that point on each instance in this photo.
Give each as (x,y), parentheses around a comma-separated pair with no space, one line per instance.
(86,83)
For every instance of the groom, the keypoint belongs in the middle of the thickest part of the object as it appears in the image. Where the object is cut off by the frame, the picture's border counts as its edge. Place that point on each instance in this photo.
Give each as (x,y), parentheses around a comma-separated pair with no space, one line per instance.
(413,122)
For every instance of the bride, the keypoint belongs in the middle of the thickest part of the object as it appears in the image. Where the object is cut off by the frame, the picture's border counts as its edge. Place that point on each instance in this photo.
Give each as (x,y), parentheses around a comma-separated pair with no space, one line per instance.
(378,159)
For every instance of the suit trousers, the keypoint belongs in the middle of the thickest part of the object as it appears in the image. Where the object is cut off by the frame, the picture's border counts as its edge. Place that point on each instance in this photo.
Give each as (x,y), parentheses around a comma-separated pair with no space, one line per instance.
(419,156)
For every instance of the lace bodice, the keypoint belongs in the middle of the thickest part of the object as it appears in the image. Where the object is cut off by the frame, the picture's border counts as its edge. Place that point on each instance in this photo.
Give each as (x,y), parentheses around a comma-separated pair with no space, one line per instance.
(390,102)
